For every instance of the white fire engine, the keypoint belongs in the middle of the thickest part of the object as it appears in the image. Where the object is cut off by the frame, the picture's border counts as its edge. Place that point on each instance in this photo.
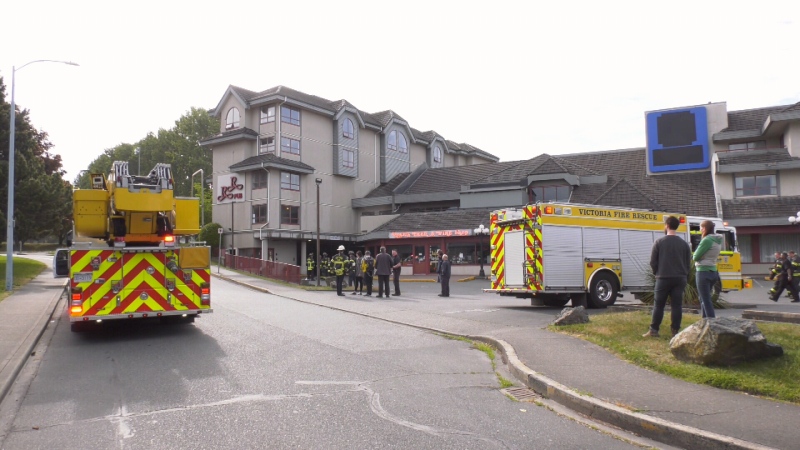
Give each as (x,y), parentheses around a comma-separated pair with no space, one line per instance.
(554,252)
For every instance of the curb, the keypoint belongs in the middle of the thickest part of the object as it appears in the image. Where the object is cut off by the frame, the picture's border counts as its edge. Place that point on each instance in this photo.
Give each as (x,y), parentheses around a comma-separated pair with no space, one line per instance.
(20,356)
(423,280)
(771,316)
(660,430)
(466,279)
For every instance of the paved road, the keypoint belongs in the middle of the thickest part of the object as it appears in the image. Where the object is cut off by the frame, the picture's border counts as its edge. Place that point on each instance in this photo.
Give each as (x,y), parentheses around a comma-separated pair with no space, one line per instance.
(263,371)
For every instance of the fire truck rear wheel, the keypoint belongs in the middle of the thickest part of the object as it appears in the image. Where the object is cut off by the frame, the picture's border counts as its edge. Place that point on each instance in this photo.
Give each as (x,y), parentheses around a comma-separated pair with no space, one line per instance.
(603,291)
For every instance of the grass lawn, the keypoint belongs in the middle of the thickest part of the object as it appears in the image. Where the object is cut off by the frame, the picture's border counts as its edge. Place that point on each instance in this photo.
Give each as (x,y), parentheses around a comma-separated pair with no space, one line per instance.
(621,333)
(24,271)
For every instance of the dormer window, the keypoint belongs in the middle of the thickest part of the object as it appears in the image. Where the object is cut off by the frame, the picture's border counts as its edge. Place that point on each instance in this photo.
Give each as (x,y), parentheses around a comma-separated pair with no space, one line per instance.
(397,142)
(232,119)
(437,154)
(348,130)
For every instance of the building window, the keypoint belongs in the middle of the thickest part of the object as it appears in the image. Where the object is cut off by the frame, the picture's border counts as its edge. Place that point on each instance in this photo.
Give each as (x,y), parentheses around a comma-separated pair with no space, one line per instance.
(290,181)
(348,158)
(290,115)
(748,145)
(437,154)
(259,214)
(267,145)
(290,145)
(232,119)
(290,215)
(550,193)
(348,130)
(397,142)
(268,114)
(750,186)
(259,179)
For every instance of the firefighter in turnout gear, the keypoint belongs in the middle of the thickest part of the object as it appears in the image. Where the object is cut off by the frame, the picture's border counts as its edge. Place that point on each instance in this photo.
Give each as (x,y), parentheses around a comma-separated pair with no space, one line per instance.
(783,274)
(340,264)
(794,260)
(310,266)
(324,266)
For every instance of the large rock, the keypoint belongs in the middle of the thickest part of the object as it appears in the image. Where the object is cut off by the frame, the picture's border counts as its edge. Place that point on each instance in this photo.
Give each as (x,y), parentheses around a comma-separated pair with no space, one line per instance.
(571,316)
(722,341)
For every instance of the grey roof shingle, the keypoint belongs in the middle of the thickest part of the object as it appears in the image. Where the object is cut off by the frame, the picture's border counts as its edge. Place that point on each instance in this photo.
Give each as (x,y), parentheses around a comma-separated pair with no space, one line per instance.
(689,192)
(442,220)
(450,179)
(271,159)
(386,190)
(750,119)
(755,156)
(759,208)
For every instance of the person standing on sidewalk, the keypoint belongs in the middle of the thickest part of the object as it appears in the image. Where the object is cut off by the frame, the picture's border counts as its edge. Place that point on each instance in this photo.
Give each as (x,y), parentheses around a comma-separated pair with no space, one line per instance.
(705,263)
(368,267)
(351,270)
(669,259)
(397,264)
(339,265)
(358,286)
(383,268)
(794,260)
(444,276)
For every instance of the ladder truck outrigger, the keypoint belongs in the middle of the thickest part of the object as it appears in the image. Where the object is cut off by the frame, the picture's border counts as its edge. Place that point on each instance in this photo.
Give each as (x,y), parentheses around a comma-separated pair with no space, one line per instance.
(141,273)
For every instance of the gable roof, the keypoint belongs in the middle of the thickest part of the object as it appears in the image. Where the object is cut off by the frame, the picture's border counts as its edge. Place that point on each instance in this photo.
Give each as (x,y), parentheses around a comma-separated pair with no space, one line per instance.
(378,120)
(440,220)
(760,208)
(270,160)
(630,186)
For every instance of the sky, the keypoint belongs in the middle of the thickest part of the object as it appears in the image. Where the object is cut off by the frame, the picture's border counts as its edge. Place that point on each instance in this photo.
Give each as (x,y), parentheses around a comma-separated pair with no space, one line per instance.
(515,79)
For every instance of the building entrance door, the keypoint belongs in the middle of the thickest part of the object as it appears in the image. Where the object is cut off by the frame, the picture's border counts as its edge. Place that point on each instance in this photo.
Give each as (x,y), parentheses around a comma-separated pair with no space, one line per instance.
(420,260)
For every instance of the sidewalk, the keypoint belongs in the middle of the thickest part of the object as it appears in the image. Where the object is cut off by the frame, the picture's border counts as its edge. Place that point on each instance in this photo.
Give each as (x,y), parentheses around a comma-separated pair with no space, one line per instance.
(24,315)
(560,367)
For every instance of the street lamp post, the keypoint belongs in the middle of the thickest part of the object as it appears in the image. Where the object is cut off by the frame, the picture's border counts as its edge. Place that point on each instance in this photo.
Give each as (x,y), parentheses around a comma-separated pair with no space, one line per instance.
(202,197)
(795,220)
(319,181)
(10,209)
(481,231)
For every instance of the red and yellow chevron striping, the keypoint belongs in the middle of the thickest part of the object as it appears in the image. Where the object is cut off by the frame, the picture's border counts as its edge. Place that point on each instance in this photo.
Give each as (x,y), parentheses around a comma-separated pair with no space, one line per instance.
(117,283)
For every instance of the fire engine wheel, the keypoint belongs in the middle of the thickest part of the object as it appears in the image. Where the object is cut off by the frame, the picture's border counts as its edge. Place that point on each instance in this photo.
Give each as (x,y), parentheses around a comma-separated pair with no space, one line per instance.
(603,291)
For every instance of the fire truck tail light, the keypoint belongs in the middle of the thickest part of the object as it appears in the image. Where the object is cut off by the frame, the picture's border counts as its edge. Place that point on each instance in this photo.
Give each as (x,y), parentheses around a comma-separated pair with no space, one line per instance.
(169,241)
(76,309)
(205,294)
(77,295)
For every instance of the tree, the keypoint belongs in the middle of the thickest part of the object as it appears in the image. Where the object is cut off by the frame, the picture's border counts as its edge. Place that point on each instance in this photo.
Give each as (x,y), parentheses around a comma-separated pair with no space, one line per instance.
(210,235)
(40,193)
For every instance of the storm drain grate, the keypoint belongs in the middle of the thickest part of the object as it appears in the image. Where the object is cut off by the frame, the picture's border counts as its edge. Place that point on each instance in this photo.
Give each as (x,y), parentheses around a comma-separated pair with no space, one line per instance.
(521,394)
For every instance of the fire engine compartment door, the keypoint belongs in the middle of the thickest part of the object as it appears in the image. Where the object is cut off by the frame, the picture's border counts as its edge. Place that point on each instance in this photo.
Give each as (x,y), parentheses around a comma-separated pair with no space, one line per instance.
(562,256)
(514,250)
(635,248)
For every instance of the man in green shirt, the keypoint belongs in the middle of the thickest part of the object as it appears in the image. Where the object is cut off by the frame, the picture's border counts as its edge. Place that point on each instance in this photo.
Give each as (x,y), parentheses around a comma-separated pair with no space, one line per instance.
(705,264)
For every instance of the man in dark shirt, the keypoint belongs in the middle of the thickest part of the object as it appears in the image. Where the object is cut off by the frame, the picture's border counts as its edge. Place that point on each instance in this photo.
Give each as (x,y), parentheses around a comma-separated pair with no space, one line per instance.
(670,260)
(383,268)
(444,276)
(397,264)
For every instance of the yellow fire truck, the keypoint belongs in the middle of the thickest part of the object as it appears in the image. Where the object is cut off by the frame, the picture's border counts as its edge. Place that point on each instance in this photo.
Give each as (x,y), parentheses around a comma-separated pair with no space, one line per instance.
(141,273)
(729,263)
(554,252)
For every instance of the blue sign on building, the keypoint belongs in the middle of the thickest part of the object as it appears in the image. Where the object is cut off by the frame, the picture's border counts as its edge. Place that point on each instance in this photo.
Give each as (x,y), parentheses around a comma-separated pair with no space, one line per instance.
(677,140)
